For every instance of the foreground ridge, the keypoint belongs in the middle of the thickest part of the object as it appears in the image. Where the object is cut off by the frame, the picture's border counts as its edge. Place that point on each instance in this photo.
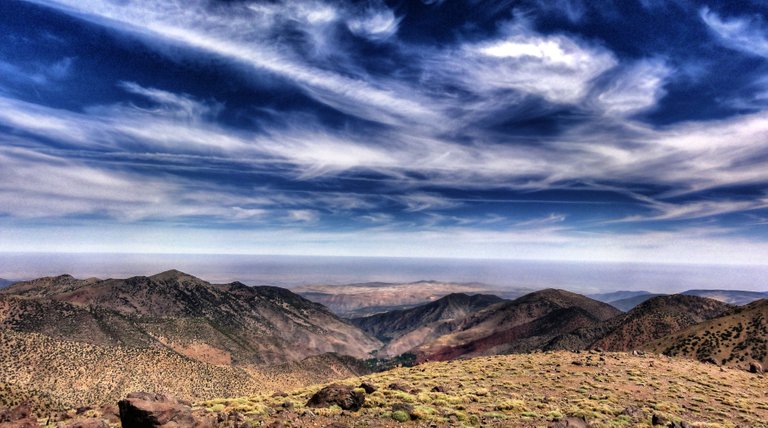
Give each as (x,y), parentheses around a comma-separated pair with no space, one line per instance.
(532,390)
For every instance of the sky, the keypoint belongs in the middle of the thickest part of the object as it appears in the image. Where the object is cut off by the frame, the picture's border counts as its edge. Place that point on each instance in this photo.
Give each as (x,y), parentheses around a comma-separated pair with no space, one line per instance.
(632,131)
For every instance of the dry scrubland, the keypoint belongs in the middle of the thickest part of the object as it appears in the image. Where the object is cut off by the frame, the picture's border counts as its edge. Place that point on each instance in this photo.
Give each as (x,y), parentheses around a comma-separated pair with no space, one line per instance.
(59,375)
(532,390)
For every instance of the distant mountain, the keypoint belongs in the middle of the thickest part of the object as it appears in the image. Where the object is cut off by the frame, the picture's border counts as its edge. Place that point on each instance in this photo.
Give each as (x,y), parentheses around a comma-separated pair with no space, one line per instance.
(630,302)
(521,325)
(360,300)
(616,295)
(650,320)
(5,282)
(405,329)
(220,324)
(656,318)
(734,297)
(734,339)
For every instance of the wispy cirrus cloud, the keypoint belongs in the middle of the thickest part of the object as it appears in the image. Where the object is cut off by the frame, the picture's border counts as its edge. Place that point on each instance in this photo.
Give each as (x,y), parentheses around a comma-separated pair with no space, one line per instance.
(495,130)
(748,34)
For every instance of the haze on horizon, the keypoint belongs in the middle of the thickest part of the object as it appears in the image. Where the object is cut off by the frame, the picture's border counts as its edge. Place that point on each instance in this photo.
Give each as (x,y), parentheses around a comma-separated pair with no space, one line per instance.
(564,130)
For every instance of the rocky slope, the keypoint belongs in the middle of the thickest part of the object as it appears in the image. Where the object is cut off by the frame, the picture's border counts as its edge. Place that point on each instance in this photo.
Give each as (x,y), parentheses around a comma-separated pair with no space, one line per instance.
(649,321)
(56,375)
(530,390)
(405,329)
(520,325)
(736,339)
(658,317)
(220,324)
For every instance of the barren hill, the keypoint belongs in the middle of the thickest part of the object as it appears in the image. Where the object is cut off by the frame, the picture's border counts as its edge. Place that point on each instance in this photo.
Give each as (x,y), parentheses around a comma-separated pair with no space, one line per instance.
(651,320)
(734,339)
(520,325)
(405,329)
(222,324)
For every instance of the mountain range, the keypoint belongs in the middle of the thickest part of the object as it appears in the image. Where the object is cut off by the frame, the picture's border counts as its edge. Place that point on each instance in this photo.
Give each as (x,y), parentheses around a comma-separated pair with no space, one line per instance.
(626,300)
(214,340)
(5,282)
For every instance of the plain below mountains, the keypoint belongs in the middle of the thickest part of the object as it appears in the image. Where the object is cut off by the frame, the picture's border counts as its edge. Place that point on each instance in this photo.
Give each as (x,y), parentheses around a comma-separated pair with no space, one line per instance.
(363,299)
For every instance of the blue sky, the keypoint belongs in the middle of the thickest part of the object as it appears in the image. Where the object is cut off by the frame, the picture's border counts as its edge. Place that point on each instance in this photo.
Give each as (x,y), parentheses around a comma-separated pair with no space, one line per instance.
(558,130)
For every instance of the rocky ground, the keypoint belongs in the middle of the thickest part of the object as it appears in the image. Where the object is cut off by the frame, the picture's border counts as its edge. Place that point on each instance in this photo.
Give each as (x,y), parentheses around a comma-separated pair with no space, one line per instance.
(531,390)
(554,389)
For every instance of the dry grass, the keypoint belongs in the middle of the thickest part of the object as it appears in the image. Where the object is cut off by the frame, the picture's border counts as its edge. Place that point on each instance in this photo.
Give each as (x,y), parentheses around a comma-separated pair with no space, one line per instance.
(535,389)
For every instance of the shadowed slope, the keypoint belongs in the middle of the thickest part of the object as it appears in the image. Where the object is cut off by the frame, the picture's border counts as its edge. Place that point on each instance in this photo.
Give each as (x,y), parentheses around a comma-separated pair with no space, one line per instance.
(520,325)
(222,324)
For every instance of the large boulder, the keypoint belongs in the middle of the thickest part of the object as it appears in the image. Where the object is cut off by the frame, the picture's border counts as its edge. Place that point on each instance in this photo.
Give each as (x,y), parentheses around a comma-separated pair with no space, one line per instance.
(148,410)
(343,396)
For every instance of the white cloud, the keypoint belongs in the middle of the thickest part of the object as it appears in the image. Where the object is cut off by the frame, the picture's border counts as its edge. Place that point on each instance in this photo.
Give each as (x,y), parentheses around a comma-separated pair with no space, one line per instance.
(556,67)
(375,24)
(245,35)
(745,34)
(636,88)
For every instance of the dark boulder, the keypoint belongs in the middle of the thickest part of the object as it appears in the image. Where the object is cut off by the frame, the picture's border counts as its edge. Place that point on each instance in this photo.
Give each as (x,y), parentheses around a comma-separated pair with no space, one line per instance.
(343,396)
(439,388)
(147,410)
(397,387)
(368,387)
(755,367)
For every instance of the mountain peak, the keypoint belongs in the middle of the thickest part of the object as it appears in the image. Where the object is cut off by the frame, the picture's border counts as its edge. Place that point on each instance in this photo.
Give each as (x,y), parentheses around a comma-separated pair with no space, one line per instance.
(171,275)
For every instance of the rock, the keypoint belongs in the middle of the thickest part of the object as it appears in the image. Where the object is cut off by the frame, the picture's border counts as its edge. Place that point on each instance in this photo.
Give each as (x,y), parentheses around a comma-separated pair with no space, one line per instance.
(287,405)
(341,395)
(397,387)
(368,387)
(709,360)
(634,412)
(577,363)
(403,408)
(755,367)
(142,409)
(279,394)
(570,422)
(439,388)
(111,413)
(337,425)
(659,420)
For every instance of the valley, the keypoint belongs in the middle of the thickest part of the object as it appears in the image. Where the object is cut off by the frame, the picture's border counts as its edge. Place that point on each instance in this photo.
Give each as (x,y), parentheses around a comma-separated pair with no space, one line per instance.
(69,343)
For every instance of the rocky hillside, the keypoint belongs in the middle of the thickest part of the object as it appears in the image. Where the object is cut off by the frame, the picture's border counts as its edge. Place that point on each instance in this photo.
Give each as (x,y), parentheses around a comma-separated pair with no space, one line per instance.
(651,320)
(736,339)
(219,324)
(360,300)
(520,325)
(554,389)
(56,375)
(405,329)
(656,318)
